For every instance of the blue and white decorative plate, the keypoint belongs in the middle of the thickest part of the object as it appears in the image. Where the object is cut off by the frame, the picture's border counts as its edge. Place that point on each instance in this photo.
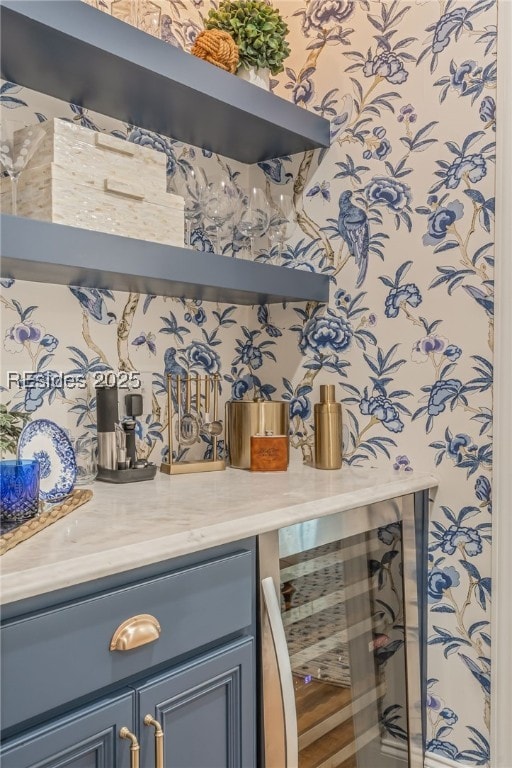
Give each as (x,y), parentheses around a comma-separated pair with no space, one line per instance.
(49,444)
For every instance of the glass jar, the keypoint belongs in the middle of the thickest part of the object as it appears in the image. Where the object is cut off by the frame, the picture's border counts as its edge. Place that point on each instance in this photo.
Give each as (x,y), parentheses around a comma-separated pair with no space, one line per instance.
(85,448)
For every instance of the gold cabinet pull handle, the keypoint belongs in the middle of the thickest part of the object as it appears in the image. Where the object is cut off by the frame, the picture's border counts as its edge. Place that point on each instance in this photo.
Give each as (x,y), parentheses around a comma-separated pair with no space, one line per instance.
(124,733)
(136,631)
(159,740)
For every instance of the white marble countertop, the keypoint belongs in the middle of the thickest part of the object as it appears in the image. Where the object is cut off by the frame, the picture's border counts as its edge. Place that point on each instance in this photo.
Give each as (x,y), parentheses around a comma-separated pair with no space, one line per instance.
(128,526)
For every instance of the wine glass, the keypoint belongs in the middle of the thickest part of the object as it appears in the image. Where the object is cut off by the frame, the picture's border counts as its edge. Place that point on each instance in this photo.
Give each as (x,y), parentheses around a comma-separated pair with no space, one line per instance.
(18,142)
(191,187)
(283,221)
(255,216)
(221,206)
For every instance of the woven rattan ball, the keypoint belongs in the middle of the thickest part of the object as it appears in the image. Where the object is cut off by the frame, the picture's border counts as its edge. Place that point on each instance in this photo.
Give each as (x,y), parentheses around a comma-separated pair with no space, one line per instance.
(217,47)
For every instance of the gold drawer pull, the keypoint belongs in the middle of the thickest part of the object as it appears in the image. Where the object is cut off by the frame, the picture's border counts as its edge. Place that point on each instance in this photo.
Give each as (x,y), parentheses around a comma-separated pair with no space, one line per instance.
(116,187)
(139,630)
(124,733)
(159,740)
(112,143)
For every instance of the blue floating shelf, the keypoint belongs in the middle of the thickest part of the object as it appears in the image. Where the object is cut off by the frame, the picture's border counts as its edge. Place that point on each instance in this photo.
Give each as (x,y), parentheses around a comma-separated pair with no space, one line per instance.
(43,252)
(69,50)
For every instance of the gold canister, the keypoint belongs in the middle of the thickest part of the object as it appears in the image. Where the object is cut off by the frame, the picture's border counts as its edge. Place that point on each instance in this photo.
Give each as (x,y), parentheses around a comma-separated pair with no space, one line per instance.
(328,435)
(247,418)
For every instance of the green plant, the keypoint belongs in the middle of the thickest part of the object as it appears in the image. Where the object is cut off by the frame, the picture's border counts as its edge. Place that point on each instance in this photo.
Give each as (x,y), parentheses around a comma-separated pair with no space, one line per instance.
(11,425)
(257,28)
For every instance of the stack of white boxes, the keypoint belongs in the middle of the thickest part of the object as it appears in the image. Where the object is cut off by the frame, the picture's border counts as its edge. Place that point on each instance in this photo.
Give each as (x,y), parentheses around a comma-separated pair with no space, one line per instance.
(94,180)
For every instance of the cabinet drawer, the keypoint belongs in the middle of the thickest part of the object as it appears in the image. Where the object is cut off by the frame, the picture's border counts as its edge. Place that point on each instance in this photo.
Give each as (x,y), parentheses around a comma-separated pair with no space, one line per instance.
(51,658)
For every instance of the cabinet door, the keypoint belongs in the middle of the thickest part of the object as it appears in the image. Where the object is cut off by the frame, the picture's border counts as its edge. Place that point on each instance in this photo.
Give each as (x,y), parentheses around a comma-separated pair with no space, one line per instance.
(207,712)
(88,738)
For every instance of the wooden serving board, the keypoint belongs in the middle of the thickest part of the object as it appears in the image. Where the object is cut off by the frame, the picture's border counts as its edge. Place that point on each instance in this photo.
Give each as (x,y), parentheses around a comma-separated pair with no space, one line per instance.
(12,538)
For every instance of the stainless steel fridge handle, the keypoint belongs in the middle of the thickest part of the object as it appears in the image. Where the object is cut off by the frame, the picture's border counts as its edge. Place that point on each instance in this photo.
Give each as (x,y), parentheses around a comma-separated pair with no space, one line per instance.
(273,609)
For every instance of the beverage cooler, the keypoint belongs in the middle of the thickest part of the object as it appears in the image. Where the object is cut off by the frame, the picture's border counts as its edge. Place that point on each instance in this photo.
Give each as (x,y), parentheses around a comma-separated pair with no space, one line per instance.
(341,633)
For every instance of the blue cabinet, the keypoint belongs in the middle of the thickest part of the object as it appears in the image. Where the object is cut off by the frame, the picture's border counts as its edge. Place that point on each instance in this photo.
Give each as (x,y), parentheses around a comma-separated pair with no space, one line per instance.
(206,712)
(186,697)
(88,738)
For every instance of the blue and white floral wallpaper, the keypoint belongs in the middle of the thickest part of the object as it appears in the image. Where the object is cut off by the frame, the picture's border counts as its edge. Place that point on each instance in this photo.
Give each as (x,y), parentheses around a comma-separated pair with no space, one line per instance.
(399,214)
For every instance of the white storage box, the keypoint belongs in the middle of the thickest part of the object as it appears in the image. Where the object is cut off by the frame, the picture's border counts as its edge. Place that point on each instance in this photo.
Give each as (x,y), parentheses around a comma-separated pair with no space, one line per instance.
(96,181)
(62,195)
(99,155)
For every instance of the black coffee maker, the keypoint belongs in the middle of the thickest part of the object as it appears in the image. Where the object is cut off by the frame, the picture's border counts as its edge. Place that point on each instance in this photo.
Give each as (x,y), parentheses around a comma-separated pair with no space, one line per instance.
(117,457)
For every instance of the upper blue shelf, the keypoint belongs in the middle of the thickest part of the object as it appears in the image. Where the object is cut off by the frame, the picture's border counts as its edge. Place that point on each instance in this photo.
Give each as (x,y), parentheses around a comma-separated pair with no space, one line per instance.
(67,49)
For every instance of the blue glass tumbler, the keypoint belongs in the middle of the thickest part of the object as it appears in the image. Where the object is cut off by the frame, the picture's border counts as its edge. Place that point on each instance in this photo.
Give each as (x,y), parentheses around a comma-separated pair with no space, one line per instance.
(19,489)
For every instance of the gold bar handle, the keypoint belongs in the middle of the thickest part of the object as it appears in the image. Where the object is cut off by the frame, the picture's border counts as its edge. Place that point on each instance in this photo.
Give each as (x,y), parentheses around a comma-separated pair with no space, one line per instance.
(207,397)
(178,408)
(134,632)
(159,740)
(216,386)
(116,187)
(188,394)
(124,733)
(198,396)
(112,143)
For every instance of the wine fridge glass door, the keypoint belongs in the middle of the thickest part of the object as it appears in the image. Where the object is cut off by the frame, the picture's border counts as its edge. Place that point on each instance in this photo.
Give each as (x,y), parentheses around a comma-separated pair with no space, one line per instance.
(350,625)
(343,615)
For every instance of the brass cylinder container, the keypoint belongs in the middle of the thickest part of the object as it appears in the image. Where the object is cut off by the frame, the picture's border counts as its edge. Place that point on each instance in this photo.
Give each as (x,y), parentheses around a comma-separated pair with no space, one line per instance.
(245,419)
(327,429)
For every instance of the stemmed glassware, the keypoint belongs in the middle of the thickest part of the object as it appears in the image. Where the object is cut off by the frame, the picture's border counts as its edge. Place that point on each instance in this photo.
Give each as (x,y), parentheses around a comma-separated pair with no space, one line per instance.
(255,216)
(18,142)
(192,188)
(221,206)
(283,221)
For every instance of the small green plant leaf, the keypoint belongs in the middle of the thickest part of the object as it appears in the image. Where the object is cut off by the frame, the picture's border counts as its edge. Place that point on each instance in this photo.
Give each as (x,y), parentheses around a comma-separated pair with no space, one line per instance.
(257,28)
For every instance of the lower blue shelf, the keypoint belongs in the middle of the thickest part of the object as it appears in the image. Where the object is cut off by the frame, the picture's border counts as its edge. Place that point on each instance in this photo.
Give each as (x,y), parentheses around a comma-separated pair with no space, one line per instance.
(43,252)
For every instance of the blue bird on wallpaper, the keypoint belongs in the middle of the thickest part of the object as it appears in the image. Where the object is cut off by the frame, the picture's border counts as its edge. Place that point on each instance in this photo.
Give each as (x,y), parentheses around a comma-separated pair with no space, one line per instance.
(93,301)
(173,367)
(353,228)
(171,364)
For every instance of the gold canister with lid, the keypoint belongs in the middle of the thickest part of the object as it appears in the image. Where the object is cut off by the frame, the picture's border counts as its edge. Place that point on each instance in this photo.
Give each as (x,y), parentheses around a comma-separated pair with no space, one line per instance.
(328,435)
(245,418)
